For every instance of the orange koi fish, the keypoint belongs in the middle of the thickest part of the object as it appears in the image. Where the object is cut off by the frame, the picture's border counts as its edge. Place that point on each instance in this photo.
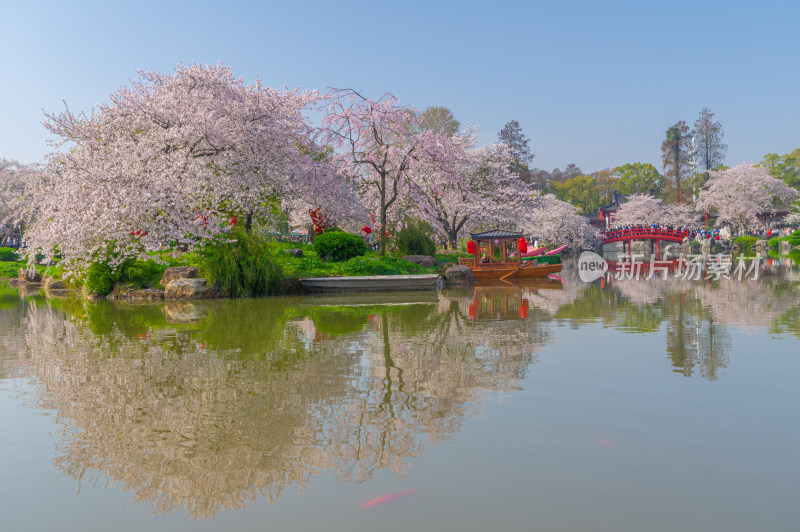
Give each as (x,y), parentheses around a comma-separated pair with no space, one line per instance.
(387,498)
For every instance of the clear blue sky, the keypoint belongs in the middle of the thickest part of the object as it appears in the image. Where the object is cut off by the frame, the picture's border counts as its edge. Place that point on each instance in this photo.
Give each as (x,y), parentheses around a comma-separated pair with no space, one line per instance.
(594,83)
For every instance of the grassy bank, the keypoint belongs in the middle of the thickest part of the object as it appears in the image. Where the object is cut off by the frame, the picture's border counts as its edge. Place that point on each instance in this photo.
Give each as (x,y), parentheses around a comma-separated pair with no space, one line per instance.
(252,265)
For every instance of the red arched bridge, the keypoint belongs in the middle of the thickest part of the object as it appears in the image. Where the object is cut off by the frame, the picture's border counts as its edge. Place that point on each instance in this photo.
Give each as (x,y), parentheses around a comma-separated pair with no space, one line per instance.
(644,233)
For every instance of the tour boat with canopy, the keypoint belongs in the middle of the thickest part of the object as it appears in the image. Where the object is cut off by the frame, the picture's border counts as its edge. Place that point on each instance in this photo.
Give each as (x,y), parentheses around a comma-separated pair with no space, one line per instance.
(500,254)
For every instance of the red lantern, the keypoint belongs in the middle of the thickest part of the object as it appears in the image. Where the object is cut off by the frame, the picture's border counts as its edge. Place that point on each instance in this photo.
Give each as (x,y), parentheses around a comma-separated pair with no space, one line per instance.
(319,220)
(471,247)
(523,245)
(523,309)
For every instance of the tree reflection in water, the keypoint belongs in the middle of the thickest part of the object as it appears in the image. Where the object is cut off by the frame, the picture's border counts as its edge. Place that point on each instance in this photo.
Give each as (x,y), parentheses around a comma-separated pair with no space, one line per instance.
(254,395)
(209,405)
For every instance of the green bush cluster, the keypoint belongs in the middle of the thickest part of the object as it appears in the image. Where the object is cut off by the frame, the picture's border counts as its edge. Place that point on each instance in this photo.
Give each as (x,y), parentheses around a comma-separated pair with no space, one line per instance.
(382,266)
(794,238)
(8,255)
(244,267)
(545,259)
(451,257)
(10,269)
(745,242)
(773,242)
(141,274)
(414,240)
(549,259)
(99,278)
(339,246)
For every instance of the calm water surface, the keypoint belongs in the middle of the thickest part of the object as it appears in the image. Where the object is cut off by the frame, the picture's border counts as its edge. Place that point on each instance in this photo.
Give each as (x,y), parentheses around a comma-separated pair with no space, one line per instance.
(633,405)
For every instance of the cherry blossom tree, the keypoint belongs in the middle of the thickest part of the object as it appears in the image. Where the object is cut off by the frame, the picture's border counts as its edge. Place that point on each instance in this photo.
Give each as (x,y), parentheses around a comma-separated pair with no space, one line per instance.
(644,209)
(792,218)
(640,209)
(469,186)
(740,193)
(173,158)
(379,140)
(16,182)
(555,221)
(328,195)
(681,215)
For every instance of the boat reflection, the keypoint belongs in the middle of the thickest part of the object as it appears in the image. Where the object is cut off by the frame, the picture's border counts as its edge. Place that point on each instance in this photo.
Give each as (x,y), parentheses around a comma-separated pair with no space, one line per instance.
(507,300)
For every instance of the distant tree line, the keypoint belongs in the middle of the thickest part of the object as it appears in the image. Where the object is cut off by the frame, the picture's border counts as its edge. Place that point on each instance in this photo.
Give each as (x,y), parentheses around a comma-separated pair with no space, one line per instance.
(688,156)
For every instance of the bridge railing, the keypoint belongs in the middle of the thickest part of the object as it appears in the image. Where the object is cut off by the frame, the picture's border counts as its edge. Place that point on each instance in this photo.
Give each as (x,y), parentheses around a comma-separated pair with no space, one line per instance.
(645,233)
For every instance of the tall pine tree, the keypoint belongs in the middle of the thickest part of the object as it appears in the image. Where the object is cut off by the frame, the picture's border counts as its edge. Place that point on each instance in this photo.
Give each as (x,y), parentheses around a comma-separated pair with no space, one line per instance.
(676,154)
(512,136)
(708,133)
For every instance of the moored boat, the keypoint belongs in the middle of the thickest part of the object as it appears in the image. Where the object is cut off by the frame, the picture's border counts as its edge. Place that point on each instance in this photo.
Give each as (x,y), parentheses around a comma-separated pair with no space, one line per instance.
(497,255)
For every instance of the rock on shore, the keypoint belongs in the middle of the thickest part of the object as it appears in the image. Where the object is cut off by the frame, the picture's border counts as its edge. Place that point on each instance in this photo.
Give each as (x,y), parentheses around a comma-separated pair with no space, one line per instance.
(187,289)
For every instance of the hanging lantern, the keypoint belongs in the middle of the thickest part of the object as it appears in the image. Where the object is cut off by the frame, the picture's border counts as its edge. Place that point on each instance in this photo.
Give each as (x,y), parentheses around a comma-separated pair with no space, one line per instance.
(471,247)
(523,245)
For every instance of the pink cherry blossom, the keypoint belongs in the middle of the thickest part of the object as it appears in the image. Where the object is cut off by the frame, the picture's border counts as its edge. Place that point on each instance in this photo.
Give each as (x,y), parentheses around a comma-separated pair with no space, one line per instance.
(170,159)
(557,222)
(740,193)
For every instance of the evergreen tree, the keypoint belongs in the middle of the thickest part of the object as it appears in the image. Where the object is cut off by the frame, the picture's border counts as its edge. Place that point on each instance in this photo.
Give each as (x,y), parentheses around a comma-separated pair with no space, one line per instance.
(512,136)
(710,149)
(676,154)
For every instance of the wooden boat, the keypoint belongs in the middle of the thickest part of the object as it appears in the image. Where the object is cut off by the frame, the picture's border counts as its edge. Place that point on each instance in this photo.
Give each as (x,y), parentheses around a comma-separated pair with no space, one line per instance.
(493,258)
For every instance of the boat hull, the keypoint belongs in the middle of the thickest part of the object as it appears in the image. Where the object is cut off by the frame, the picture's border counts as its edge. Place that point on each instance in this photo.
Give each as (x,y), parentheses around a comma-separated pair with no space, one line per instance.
(496,271)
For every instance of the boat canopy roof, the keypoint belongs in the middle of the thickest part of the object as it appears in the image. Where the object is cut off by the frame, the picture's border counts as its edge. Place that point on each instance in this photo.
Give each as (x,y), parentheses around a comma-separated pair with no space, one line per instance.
(496,234)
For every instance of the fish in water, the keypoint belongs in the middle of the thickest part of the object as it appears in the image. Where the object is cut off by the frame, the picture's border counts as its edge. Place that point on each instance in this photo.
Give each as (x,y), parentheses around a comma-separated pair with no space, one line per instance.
(387,498)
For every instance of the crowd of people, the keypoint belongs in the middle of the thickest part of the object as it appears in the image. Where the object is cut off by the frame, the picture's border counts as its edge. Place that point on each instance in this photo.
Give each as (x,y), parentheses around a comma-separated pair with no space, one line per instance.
(724,233)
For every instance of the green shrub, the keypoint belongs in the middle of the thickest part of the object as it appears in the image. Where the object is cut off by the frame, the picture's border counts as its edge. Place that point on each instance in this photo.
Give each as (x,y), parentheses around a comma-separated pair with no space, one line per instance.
(545,259)
(451,257)
(8,255)
(794,239)
(414,240)
(141,274)
(382,266)
(10,269)
(244,267)
(549,259)
(99,278)
(745,242)
(773,242)
(338,246)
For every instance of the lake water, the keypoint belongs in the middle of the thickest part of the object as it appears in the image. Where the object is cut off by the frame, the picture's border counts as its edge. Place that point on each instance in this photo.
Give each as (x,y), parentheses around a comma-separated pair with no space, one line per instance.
(624,405)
